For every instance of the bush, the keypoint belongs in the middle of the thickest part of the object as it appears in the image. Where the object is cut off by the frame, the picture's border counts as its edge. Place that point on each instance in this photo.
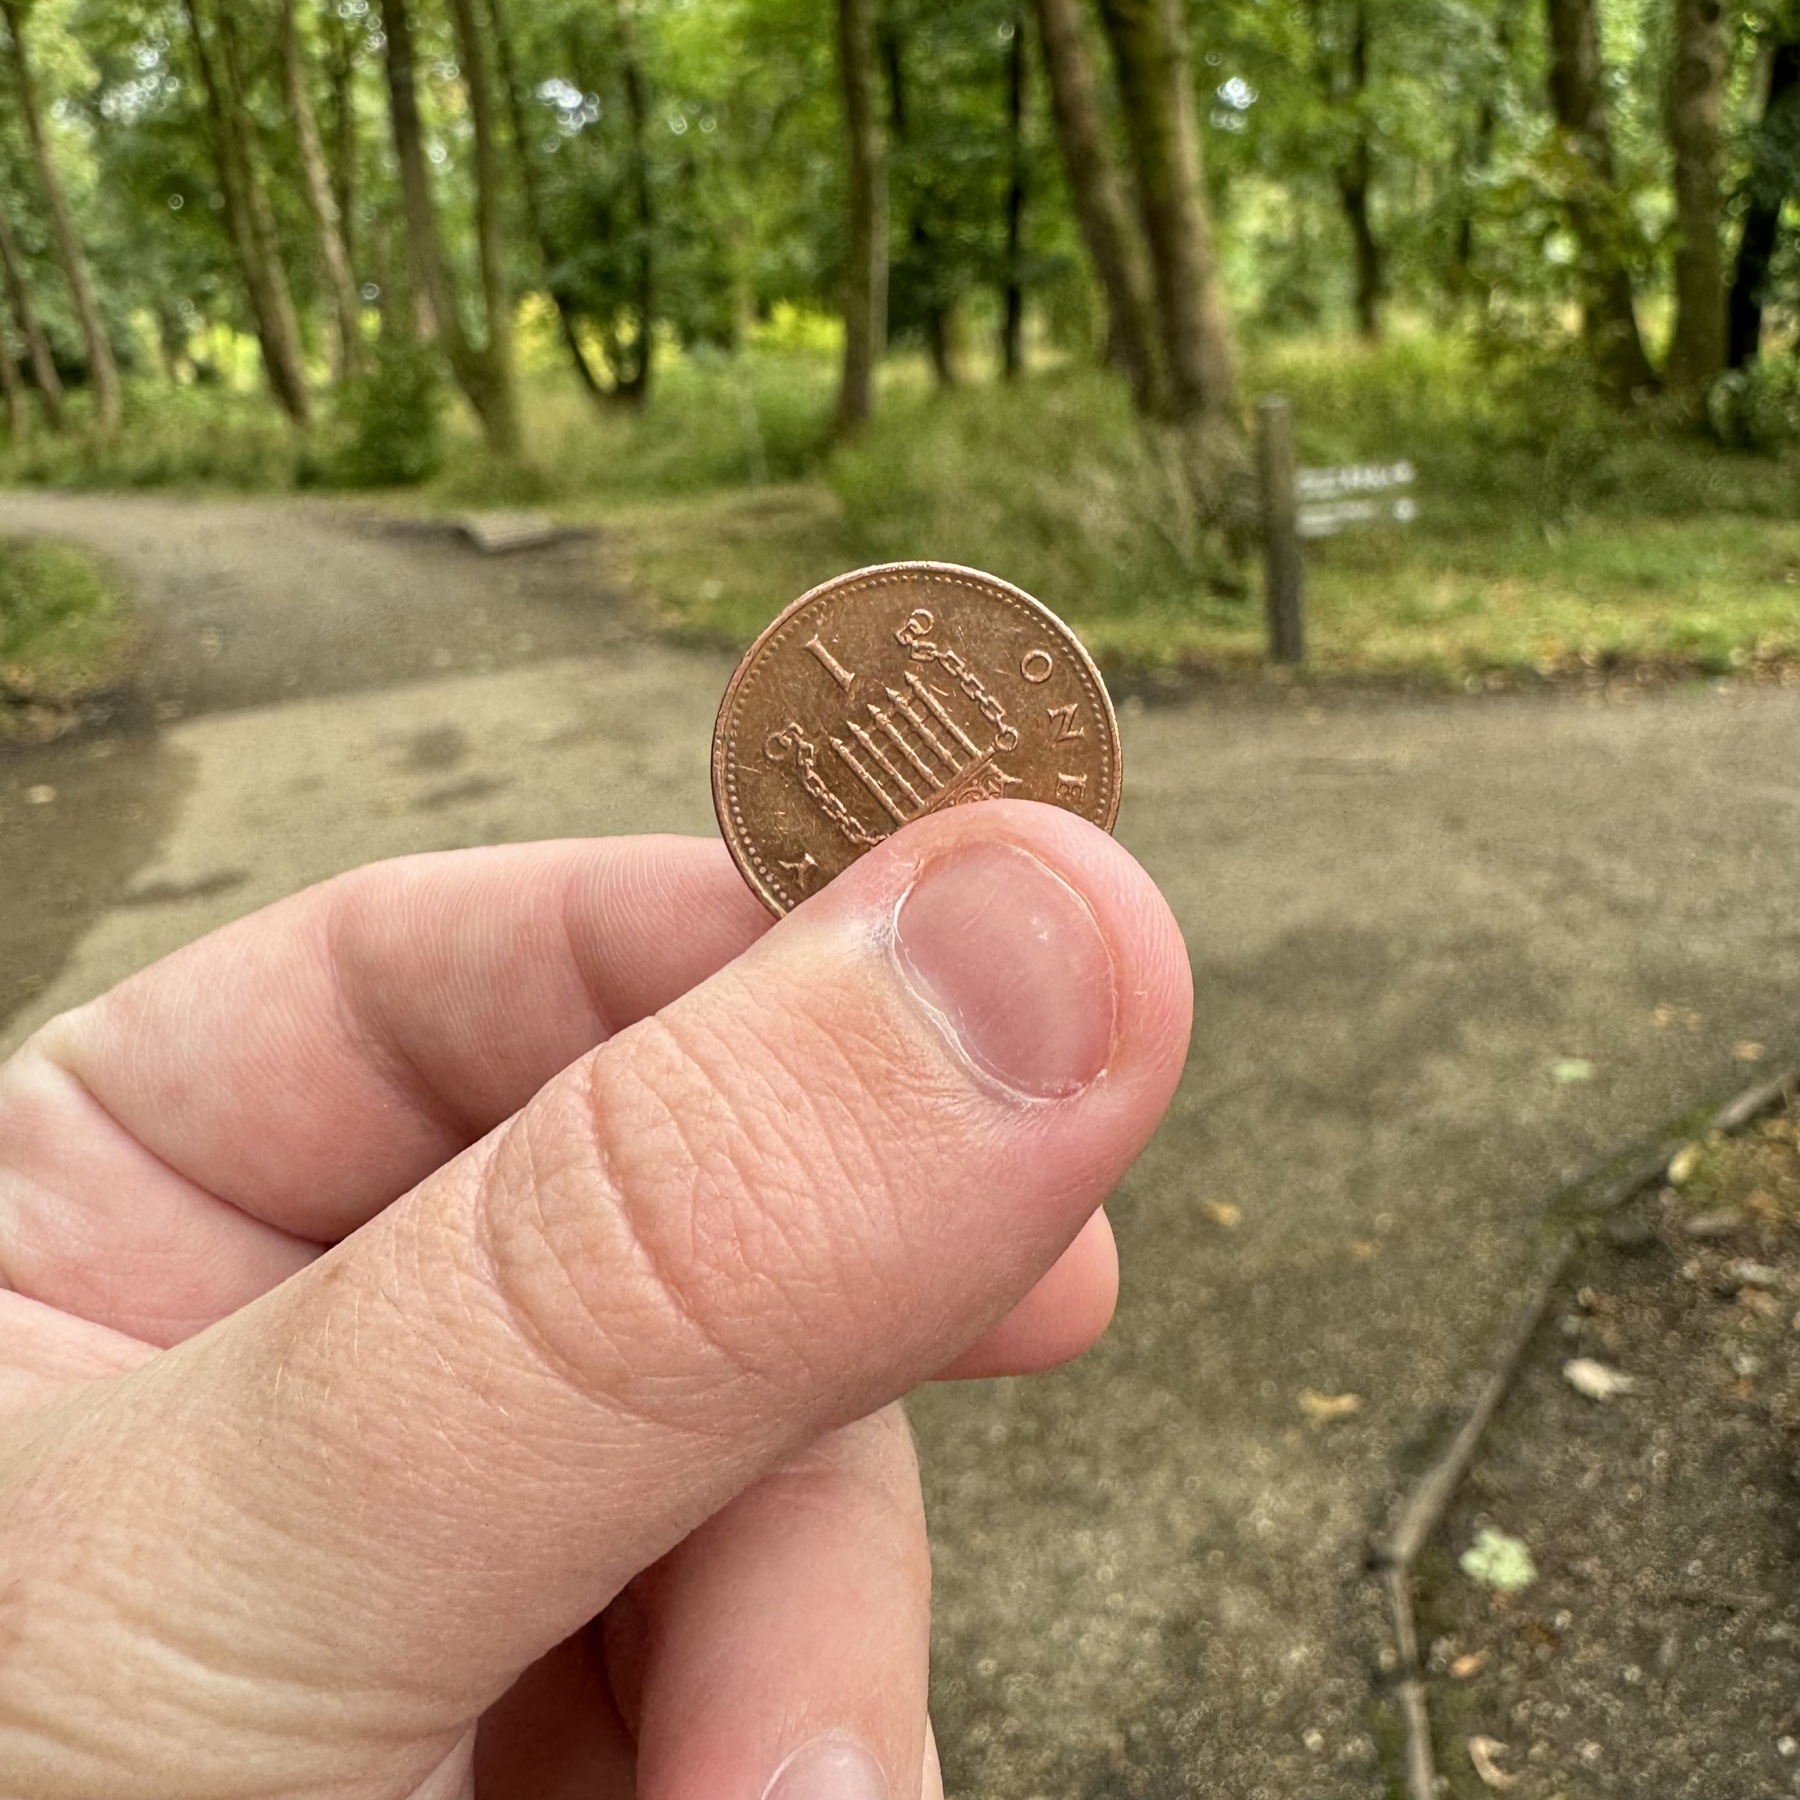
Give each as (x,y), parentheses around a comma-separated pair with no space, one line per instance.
(1757,407)
(60,623)
(393,418)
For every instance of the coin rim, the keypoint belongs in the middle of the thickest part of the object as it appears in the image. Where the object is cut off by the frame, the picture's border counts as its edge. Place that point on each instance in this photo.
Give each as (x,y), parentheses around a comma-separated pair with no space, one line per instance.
(721,806)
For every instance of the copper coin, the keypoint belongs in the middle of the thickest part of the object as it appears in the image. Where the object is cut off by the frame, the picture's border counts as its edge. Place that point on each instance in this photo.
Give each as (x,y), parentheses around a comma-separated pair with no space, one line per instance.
(889,694)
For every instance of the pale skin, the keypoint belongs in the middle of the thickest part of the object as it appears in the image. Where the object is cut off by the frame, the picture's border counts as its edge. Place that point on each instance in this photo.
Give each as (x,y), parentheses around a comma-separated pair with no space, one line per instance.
(451,1322)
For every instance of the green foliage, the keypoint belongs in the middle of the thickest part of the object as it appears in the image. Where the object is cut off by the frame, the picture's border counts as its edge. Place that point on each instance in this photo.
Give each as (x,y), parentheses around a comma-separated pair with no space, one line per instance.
(60,622)
(1758,407)
(391,418)
(201,436)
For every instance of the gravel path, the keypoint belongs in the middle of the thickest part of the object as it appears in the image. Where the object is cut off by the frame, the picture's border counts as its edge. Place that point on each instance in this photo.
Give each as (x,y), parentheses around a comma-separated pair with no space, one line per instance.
(1402,915)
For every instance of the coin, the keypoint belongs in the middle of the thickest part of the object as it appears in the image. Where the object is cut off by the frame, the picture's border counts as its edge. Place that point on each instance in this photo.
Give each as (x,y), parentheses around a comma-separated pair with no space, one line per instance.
(894,692)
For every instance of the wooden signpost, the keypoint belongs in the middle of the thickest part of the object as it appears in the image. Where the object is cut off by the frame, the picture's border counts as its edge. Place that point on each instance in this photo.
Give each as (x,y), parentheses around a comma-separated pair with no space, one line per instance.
(1299,504)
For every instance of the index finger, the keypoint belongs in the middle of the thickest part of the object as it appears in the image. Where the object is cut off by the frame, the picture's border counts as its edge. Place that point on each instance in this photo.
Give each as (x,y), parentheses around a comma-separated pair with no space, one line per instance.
(314,1061)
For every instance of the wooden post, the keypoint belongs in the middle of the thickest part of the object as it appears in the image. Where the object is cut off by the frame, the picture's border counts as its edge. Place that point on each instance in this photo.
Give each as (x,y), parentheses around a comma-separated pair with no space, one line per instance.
(1283,576)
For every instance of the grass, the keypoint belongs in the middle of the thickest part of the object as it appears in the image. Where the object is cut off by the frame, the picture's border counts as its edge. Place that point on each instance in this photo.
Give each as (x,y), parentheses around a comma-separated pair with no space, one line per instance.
(62,632)
(1554,539)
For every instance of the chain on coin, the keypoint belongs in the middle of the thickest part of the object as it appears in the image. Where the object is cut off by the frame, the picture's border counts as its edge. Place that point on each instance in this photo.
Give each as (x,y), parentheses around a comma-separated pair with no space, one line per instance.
(893,692)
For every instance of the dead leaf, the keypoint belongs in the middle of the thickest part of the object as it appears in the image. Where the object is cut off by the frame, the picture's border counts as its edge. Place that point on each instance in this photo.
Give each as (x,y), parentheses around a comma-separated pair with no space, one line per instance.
(40,795)
(1748,1052)
(1469,1664)
(1595,1380)
(1482,1751)
(1683,1164)
(1362,1248)
(1764,1205)
(1321,1409)
(1223,1213)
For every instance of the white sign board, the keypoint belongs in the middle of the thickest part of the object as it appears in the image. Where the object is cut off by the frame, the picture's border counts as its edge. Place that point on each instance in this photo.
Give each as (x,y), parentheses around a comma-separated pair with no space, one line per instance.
(1358,494)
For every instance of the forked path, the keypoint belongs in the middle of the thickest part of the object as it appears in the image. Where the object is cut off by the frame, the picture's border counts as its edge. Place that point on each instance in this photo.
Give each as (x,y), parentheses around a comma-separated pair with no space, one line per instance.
(1402,915)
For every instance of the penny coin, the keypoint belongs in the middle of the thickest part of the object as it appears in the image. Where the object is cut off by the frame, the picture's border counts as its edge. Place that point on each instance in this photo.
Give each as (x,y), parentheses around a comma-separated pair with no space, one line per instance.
(894,692)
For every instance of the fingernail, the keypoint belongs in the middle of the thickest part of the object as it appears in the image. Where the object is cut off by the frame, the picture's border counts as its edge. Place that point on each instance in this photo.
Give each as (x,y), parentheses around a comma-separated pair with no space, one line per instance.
(829,1768)
(1010,961)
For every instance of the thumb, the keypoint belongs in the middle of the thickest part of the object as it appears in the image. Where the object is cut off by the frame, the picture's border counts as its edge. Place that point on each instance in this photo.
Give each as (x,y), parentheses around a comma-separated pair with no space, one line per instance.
(394,1481)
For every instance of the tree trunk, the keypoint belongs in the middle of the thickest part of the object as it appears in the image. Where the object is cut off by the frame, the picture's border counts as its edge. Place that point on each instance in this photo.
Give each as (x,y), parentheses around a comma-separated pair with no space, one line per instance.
(103,372)
(1696,138)
(1354,173)
(247,215)
(1012,319)
(37,345)
(508,71)
(1097,193)
(1767,189)
(486,378)
(1476,163)
(12,387)
(340,80)
(634,385)
(334,254)
(865,278)
(1578,100)
(941,336)
(1156,86)
(1157,90)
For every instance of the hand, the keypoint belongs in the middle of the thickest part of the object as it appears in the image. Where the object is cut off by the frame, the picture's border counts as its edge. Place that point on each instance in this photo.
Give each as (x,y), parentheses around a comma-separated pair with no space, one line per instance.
(381,1356)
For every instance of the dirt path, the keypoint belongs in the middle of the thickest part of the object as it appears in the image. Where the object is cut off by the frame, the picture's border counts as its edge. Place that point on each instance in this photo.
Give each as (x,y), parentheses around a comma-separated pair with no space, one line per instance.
(1402,915)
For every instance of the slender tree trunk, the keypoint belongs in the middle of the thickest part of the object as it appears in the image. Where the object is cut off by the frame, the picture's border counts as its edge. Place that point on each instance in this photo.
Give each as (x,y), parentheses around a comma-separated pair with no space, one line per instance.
(12,387)
(635,384)
(865,279)
(1157,88)
(334,254)
(1578,99)
(1355,173)
(1767,189)
(340,84)
(1476,163)
(490,246)
(247,214)
(37,344)
(483,372)
(940,323)
(1012,319)
(1114,245)
(1696,137)
(103,371)
(506,66)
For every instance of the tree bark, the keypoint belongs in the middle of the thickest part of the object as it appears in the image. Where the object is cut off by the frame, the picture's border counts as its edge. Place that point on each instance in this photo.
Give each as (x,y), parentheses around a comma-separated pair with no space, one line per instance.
(1355,173)
(103,371)
(484,372)
(939,312)
(1156,85)
(1476,163)
(633,384)
(1012,318)
(334,253)
(12,387)
(37,344)
(865,278)
(506,66)
(1097,193)
(1578,100)
(340,81)
(1767,189)
(1696,138)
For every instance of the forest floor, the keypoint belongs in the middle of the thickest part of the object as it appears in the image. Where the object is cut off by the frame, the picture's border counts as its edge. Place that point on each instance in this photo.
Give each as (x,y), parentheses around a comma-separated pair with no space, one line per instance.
(1448,951)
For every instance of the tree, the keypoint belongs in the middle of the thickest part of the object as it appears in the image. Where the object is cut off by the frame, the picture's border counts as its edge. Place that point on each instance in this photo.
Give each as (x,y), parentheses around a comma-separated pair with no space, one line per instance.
(1344,83)
(1578,101)
(483,370)
(1012,317)
(103,370)
(12,388)
(1775,161)
(247,212)
(532,186)
(1696,107)
(866,259)
(37,345)
(1156,88)
(334,253)
(1097,194)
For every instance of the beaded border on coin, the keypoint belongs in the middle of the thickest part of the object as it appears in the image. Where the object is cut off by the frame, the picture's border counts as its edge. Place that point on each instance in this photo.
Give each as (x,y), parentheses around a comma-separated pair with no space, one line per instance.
(739,838)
